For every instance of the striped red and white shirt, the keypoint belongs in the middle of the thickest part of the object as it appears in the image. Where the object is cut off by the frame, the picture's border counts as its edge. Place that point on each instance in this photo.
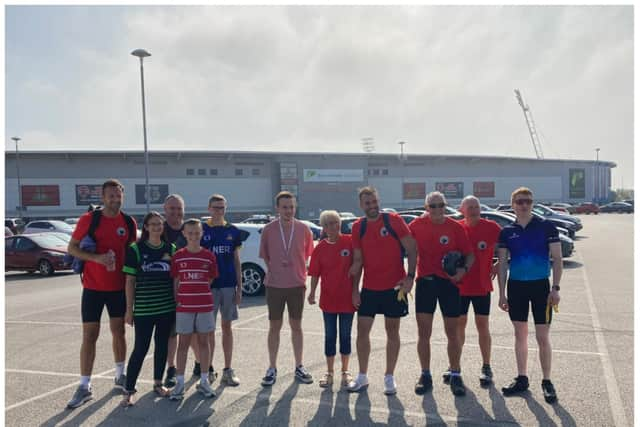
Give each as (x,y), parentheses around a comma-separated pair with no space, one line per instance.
(194,271)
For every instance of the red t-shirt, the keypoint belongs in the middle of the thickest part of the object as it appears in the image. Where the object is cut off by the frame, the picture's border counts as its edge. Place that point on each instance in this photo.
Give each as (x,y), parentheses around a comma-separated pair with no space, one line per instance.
(483,238)
(383,264)
(436,240)
(111,233)
(194,271)
(331,262)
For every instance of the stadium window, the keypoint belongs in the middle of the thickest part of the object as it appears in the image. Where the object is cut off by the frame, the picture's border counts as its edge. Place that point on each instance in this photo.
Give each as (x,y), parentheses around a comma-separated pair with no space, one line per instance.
(385,171)
(255,172)
(190,172)
(376,171)
(238,172)
(213,171)
(202,171)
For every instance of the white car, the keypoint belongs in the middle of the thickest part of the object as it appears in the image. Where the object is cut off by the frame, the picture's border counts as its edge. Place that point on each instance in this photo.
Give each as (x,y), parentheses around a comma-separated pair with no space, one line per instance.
(48,226)
(253,267)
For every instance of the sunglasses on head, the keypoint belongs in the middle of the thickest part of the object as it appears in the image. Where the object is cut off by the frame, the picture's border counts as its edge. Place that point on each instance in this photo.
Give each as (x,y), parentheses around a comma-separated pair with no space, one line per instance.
(521,202)
(436,205)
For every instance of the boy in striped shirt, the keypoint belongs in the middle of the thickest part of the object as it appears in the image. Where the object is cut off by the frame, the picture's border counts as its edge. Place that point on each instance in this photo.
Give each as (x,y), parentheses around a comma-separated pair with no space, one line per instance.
(193,268)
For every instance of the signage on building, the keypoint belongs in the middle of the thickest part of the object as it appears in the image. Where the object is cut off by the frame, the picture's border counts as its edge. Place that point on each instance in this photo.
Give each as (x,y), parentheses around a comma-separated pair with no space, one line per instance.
(414,190)
(333,175)
(87,194)
(576,184)
(484,189)
(451,190)
(159,192)
(40,195)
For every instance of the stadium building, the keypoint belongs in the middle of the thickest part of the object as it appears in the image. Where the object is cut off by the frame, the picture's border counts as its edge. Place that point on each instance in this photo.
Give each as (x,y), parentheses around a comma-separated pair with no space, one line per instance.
(57,184)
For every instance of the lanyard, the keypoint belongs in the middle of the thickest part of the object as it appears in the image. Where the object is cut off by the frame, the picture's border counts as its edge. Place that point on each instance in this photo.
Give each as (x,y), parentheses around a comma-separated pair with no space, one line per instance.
(287,248)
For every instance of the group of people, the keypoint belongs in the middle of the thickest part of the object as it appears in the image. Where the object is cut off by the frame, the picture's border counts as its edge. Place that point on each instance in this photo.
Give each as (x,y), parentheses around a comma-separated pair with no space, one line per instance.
(172,282)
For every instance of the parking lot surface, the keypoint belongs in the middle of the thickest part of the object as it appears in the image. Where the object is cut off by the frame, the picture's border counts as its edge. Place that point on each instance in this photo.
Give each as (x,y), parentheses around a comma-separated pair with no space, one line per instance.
(592,338)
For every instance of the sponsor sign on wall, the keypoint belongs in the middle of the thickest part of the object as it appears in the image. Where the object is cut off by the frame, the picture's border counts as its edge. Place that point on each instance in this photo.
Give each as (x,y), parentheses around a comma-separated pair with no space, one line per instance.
(451,190)
(576,184)
(333,175)
(159,192)
(414,190)
(87,194)
(40,195)
(484,189)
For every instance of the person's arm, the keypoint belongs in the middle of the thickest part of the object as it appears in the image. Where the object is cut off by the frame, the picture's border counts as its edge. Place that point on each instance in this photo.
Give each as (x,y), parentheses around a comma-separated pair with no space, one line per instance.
(74,249)
(461,271)
(409,245)
(264,247)
(503,254)
(238,267)
(556,256)
(355,272)
(176,285)
(130,291)
(312,293)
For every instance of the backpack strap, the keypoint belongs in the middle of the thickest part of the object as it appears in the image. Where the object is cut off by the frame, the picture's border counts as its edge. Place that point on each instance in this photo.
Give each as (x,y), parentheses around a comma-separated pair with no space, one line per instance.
(363,226)
(387,225)
(95,221)
(131,227)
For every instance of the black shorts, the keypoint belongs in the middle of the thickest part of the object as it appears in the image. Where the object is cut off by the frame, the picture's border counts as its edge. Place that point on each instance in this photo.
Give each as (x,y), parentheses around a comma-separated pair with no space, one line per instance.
(382,302)
(94,301)
(433,289)
(481,304)
(520,293)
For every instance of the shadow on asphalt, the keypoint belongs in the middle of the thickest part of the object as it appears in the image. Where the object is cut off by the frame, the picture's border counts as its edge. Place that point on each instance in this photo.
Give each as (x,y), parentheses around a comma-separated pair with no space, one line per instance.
(363,410)
(325,410)
(258,412)
(430,409)
(396,412)
(469,408)
(252,301)
(499,407)
(34,276)
(571,264)
(79,415)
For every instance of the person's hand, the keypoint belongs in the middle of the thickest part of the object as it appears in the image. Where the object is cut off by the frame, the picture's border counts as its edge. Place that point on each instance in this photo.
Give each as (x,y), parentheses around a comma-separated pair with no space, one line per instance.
(460,272)
(554,297)
(311,298)
(405,284)
(238,296)
(355,299)
(503,304)
(353,271)
(128,318)
(107,259)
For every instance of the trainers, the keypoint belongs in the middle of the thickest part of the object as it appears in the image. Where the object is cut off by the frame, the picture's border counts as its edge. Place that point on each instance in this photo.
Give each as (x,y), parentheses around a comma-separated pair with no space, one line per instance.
(170,381)
(389,385)
(303,375)
(270,377)
(121,382)
(196,370)
(361,382)
(212,375)
(177,393)
(205,388)
(518,385)
(82,395)
(229,377)
(486,375)
(457,386)
(549,391)
(446,376)
(424,384)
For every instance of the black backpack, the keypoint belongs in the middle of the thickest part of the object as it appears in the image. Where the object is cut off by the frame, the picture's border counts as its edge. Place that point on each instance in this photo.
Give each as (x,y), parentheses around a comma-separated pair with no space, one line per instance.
(387,226)
(95,222)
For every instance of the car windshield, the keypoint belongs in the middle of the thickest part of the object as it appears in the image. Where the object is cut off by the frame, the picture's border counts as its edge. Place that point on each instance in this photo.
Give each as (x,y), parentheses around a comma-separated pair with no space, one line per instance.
(60,225)
(48,240)
(542,209)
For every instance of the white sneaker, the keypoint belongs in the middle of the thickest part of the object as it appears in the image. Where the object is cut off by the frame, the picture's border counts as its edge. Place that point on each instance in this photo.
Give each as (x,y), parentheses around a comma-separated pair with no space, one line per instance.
(361,382)
(389,385)
(205,388)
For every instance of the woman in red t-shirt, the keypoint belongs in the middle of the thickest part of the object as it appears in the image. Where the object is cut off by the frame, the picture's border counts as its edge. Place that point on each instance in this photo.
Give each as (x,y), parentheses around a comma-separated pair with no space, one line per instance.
(330,263)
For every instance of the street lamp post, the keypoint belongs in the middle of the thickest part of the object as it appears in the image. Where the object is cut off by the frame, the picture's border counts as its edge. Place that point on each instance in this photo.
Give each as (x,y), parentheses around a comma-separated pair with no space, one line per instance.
(16,139)
(597,186)
(402,159)
(141,53)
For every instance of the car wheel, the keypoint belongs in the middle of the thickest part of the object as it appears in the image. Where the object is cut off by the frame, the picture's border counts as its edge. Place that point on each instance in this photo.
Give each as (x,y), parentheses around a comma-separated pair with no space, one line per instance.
(252,279)
(45,268)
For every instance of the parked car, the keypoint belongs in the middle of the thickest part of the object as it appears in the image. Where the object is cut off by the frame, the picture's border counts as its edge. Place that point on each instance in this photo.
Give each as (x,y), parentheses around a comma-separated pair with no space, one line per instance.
(453,213)
(619,207)
(346,215)
(71,221)
(505,218)
(416,212)
(559,223)
(566,206)
(388,210)
(44,252)
(503,207)
(588,208)
(315,229)
(630,201)
(258,219)
(486,208)
(547,212)
(16,225)
(47,226)
(347,224)
(253,267)
(408,217)
(7,231)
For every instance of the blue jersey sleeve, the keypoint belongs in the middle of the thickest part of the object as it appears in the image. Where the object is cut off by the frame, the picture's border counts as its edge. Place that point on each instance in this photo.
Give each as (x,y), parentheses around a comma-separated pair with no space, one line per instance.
(553,235)
(502,239)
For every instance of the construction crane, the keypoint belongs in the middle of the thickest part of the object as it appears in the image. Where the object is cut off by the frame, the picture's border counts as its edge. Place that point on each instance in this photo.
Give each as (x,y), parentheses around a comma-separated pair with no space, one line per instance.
(528,116)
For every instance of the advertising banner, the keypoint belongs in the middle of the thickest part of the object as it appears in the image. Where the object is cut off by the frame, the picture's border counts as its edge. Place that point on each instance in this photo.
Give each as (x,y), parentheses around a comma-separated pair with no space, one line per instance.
(414,190)
(451,190)
(159,192)
(484,189)
(576,184)
(333,175)
(40,195)
(87,194)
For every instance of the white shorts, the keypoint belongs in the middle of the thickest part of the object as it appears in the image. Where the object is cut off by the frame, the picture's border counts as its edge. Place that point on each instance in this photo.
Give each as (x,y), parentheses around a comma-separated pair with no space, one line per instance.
(189,323)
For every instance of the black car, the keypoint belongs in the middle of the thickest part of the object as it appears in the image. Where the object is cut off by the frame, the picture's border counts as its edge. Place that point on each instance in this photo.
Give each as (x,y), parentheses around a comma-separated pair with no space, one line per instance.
(347,224)
(559,223)
(619,207)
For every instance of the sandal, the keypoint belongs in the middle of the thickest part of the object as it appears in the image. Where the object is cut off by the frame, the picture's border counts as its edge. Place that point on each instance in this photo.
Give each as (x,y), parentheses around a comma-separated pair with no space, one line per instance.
(161,390)
(127,400)
(327,380)
(346,378)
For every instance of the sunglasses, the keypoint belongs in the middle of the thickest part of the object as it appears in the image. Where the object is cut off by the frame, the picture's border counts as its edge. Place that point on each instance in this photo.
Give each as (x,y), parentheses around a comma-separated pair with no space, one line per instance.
(218,208)
(521,202)
(437,205)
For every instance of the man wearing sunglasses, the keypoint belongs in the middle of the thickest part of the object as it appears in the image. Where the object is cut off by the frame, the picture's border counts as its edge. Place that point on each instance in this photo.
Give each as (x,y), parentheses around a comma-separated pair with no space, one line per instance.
(528,243)
(436,235)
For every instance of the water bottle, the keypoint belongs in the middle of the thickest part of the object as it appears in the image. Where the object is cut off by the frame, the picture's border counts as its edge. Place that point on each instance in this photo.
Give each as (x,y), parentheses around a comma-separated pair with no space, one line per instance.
(112,263)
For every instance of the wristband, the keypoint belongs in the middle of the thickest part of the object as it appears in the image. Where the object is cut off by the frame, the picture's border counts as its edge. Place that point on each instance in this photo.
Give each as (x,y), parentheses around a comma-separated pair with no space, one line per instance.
(556,287)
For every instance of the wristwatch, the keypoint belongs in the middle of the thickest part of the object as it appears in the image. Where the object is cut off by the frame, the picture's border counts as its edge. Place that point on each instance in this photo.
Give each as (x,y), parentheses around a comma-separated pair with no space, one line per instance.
(556,287)
(412,275)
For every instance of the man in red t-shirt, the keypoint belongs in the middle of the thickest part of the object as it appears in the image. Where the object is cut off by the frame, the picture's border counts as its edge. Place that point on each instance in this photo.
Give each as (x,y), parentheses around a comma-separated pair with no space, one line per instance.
(103,284)
(476,287)
(379,241)
(437,235)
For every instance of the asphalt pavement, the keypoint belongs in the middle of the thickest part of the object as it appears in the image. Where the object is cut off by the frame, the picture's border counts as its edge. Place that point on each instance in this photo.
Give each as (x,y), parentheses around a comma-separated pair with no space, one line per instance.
(592,339)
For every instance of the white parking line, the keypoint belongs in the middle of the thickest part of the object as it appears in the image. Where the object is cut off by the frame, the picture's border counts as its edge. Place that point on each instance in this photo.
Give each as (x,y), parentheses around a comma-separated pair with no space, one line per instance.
(617,409)
(22,315)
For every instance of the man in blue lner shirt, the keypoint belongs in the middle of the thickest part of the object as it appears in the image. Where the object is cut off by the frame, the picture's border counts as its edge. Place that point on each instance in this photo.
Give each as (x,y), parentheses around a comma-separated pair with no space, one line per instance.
(528,242)
(225,241)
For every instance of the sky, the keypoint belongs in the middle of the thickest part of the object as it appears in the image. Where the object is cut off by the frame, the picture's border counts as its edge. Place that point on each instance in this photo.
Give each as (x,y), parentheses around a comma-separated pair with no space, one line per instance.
(322,78)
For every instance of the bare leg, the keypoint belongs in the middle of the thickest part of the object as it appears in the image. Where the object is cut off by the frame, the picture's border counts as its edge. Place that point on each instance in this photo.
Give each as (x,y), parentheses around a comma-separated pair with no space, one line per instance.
(521,330)
(544,348)
(453,342)
(119,344)
(425,324)
(363,343)
(392,326)
(90,333)
(273,341)
(297,339)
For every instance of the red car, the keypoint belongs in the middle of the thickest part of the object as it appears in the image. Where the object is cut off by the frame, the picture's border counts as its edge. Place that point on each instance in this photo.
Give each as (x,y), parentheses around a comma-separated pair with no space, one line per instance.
(587,208)
(42,251)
